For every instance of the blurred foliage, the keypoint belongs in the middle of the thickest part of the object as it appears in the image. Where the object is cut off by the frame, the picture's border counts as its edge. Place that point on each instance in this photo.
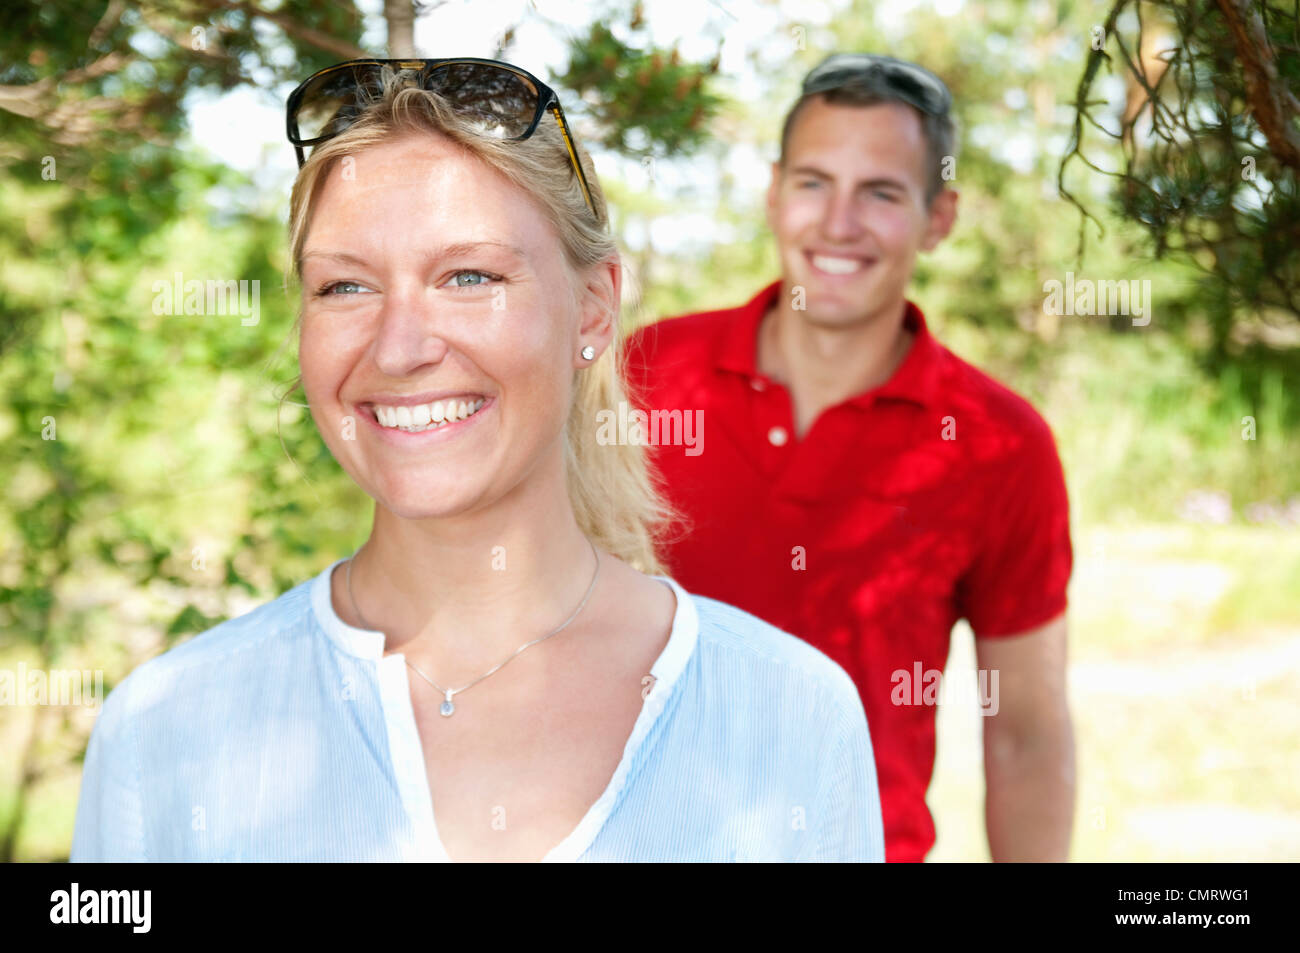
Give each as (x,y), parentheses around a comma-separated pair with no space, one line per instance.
(83,81)
(1210,142)
(646,101)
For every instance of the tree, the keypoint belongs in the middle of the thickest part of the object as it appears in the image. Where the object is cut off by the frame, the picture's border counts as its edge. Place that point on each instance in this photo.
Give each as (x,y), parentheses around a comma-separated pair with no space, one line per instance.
(1210,143)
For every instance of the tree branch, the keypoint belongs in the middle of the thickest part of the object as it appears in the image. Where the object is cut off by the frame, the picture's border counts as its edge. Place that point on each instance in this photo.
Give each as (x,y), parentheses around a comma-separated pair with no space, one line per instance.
(292,27)
(1272,103)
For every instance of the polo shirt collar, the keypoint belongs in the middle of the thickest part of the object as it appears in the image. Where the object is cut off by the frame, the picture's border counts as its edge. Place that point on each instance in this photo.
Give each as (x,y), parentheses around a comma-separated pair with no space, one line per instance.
(915,380)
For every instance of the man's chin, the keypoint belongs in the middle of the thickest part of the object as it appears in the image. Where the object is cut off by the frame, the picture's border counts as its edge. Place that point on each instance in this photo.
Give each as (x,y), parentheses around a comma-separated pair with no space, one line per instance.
(840,307)
(840,300)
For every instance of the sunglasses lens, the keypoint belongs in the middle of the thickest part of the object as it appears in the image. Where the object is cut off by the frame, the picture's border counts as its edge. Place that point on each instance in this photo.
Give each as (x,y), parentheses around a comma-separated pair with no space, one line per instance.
(501,103)
(331,102)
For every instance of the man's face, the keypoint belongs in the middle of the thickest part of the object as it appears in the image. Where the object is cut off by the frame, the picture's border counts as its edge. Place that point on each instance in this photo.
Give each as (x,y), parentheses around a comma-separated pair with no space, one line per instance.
(848,209)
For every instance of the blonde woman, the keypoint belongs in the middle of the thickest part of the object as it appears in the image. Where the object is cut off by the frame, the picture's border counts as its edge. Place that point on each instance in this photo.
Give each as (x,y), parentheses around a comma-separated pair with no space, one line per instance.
(502,671)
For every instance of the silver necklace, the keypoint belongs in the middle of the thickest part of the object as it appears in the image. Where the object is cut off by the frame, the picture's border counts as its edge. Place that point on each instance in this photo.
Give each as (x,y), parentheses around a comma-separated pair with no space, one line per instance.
(448,707)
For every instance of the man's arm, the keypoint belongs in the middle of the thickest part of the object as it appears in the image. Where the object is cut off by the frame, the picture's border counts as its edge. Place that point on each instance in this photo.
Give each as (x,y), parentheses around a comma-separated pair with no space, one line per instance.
(1028,746)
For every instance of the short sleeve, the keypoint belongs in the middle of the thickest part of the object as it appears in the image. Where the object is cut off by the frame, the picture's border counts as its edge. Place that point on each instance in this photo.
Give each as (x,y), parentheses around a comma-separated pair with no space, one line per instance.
(848,824)
(1019,576)
(110,819)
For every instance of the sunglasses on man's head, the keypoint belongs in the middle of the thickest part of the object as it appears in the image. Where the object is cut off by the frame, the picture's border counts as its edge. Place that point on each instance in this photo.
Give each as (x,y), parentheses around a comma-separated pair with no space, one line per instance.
(504,101)
(914,84)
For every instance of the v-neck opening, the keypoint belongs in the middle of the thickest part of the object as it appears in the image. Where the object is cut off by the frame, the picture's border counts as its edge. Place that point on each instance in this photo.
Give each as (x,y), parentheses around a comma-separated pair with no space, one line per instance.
(406,753)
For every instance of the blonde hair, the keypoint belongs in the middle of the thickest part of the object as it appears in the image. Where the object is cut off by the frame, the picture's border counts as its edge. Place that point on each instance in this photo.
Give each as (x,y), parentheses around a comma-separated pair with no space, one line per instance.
(615,499)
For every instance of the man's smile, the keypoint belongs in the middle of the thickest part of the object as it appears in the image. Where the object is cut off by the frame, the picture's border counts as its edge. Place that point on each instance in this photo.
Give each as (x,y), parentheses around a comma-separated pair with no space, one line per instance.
(838,266)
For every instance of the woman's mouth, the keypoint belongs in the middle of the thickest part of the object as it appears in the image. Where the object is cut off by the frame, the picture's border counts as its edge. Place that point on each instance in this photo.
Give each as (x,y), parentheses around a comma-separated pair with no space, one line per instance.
(418,418)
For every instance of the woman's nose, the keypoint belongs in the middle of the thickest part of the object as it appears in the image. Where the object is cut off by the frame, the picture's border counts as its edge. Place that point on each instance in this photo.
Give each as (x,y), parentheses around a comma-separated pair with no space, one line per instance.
(407,335)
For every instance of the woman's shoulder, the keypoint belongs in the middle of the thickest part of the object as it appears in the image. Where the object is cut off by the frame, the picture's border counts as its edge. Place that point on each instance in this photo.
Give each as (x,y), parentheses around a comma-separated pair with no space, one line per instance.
(223,648)
(730,636)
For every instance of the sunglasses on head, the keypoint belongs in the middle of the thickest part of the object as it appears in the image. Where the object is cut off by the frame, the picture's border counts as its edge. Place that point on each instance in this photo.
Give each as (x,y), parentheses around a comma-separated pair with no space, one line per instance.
(504,101)
(914,84)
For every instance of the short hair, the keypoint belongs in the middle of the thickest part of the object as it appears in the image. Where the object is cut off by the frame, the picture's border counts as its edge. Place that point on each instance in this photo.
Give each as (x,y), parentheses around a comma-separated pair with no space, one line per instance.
(940,132)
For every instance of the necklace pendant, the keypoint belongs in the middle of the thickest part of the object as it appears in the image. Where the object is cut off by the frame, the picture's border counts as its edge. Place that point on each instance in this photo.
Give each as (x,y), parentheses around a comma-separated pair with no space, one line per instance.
(447,707)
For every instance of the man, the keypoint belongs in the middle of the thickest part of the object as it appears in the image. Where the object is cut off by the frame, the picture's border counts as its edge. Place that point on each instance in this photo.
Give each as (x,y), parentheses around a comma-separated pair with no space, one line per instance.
(864,488)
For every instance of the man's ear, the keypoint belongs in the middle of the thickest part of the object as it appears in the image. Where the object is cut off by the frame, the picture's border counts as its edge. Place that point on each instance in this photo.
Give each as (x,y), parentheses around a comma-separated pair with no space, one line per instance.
(943,215)
(601,296)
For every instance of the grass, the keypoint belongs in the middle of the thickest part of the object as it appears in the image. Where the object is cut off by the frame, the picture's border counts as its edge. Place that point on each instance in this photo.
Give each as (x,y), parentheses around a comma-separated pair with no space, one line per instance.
(1185,653)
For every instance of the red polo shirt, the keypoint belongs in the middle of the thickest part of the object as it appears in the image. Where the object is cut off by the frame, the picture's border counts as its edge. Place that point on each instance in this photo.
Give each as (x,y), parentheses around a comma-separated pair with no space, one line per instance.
(936,496)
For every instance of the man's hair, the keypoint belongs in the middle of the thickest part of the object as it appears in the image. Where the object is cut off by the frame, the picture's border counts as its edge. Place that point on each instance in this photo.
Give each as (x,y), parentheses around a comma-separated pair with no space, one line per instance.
(940,132)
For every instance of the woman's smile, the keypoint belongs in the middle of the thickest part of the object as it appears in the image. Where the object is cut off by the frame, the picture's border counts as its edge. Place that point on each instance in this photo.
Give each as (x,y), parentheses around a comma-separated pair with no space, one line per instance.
(424,424)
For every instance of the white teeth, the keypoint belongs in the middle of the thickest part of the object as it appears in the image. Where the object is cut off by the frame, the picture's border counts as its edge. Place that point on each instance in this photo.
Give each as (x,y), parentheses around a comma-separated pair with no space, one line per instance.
(426,416)
(836,266)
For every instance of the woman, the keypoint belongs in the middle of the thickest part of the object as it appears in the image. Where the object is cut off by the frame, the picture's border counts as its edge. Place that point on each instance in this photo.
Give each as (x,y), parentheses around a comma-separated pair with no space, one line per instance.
(502,671)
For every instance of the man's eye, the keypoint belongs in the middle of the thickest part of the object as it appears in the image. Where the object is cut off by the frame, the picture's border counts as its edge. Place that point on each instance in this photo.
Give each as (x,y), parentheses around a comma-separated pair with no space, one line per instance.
(472,279)
(341,287)
(886,195)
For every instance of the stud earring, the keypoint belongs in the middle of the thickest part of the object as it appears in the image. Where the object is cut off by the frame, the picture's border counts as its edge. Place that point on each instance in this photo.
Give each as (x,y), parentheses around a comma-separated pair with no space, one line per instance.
(588,352)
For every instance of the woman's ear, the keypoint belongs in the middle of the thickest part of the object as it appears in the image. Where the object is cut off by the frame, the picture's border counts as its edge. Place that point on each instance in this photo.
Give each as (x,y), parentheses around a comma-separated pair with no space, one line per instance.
(601,297)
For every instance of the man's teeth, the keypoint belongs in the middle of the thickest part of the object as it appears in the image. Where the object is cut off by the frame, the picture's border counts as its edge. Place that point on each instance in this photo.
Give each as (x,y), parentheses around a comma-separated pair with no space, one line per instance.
(427,416)
(837,266)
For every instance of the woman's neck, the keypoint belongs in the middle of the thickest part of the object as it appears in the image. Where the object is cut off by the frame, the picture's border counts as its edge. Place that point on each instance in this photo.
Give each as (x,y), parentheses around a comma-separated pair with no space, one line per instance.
(465,591)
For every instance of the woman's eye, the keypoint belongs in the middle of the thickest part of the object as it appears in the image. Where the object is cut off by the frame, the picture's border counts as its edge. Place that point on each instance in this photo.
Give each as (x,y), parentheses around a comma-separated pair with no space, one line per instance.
(472,279)
(341,287)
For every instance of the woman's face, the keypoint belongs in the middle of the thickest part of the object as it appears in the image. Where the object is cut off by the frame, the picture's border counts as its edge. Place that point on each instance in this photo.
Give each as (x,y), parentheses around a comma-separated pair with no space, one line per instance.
(433,286)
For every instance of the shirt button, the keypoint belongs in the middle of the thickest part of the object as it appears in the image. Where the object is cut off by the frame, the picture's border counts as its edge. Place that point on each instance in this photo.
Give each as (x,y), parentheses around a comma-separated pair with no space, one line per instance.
(758,383)
(777,436)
